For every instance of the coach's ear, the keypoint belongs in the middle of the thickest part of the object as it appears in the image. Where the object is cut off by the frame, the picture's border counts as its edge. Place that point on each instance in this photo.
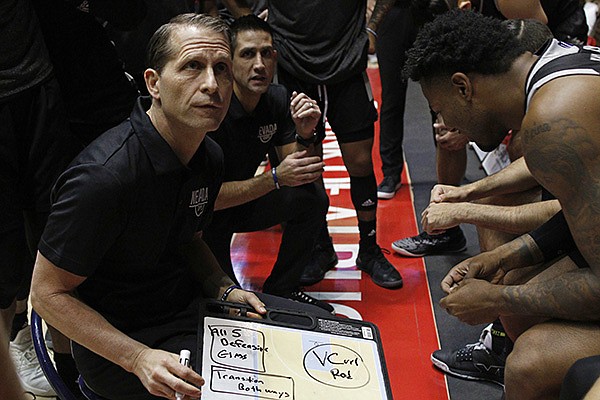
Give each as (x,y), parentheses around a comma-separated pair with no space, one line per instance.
(463,84)
(464,5)
(152,79)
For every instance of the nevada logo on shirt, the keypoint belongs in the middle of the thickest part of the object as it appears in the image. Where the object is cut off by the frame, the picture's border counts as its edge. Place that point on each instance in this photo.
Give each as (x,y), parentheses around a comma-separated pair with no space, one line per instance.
(266,132)
(199,200)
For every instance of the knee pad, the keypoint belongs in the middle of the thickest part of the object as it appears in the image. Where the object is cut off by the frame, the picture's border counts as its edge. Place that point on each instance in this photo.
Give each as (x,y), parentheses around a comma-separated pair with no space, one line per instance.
(363,191)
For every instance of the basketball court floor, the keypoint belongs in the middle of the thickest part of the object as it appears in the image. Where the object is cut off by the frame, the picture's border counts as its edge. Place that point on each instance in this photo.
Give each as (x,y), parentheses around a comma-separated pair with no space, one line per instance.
(411,323)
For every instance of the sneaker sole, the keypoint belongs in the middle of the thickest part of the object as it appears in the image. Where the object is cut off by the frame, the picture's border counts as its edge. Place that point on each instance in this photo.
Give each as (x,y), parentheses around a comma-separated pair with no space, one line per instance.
(444,367)
(386,285)
(388,195)
(407,253)
(389,285)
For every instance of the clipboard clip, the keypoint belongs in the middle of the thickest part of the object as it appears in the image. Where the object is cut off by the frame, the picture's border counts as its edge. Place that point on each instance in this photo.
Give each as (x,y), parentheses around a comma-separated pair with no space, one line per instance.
(274,316)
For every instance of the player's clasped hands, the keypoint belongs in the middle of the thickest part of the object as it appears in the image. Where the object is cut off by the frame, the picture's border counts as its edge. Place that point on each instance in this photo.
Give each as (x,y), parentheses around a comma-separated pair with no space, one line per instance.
(472,297)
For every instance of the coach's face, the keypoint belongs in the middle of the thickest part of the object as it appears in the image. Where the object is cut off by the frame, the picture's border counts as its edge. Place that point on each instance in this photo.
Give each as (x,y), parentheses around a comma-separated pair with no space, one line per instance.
(194,87)
(253,61)
(453,98)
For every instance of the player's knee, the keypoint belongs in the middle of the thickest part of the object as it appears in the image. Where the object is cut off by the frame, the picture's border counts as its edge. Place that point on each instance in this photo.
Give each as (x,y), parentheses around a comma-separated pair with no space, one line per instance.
(525,370)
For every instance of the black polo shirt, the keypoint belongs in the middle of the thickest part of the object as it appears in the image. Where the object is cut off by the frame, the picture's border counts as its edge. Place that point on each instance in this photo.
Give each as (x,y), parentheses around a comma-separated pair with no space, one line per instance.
(246,138)
(119,213)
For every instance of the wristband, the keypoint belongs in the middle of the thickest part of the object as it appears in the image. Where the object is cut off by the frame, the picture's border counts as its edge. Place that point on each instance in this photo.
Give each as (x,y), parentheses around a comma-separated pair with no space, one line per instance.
(306,142)
(371,31)
(275,180)
(228,291)
(554,238)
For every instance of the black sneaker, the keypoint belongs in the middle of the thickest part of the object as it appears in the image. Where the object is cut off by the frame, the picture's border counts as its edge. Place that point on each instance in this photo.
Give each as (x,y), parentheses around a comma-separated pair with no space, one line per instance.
(388,187)
(322,260)
(374,263)
(451,241)
(304,298)
(474,361)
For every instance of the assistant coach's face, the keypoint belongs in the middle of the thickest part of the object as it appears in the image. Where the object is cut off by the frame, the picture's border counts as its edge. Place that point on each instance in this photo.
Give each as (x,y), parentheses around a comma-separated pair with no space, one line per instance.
(194,87)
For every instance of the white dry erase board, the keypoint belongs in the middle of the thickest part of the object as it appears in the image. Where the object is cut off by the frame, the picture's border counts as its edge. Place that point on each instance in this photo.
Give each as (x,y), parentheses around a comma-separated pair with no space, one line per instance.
(324,358)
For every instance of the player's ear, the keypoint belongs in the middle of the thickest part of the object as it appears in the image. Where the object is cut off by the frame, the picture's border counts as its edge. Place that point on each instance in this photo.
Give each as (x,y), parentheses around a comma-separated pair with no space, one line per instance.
(152,79)
(464,5)
(462,83)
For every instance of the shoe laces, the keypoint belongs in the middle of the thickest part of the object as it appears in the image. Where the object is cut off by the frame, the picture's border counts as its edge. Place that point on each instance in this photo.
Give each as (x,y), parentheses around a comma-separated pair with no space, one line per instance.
(379,252)
(466,353)
(377,255)
(303,297)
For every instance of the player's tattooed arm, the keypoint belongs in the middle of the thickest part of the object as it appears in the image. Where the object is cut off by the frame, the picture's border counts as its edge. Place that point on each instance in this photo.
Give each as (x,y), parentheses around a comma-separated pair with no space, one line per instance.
(563,156)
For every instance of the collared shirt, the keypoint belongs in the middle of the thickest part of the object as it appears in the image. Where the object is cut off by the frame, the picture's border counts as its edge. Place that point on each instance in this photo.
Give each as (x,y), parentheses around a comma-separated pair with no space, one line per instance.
(120,212)
(246,138)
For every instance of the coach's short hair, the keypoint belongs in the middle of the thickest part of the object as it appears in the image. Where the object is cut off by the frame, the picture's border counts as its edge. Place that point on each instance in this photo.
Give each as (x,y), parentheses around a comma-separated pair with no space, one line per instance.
(248,22)
(160,49)
(462,41)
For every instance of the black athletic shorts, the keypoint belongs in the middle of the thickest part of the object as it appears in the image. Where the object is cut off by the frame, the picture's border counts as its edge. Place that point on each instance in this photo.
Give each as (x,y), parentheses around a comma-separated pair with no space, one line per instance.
(348,105)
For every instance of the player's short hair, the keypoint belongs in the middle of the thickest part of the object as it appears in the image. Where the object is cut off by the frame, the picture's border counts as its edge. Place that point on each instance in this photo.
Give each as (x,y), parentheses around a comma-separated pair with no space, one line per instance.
(462,41)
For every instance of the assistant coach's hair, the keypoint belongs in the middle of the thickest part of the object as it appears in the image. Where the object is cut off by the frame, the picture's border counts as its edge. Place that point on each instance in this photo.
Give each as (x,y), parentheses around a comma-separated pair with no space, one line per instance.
(160,50)
(248,22)
(462,41)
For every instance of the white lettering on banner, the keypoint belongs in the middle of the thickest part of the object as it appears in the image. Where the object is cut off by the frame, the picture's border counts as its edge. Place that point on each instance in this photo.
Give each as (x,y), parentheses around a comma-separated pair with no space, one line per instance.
(346,267)
(331,153)
(346,262)
(335,168)
(343,230)
(337,213)
(343,296)
(334,185)
(347,254)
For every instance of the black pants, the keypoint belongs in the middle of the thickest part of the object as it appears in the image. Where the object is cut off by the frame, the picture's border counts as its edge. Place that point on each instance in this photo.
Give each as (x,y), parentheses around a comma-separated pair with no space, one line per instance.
(396,35)
(302,208)
(36,144)
(113,382)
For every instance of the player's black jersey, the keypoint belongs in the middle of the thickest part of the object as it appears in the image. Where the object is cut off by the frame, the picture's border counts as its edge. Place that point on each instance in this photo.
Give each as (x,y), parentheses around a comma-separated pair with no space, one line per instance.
(558,59)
